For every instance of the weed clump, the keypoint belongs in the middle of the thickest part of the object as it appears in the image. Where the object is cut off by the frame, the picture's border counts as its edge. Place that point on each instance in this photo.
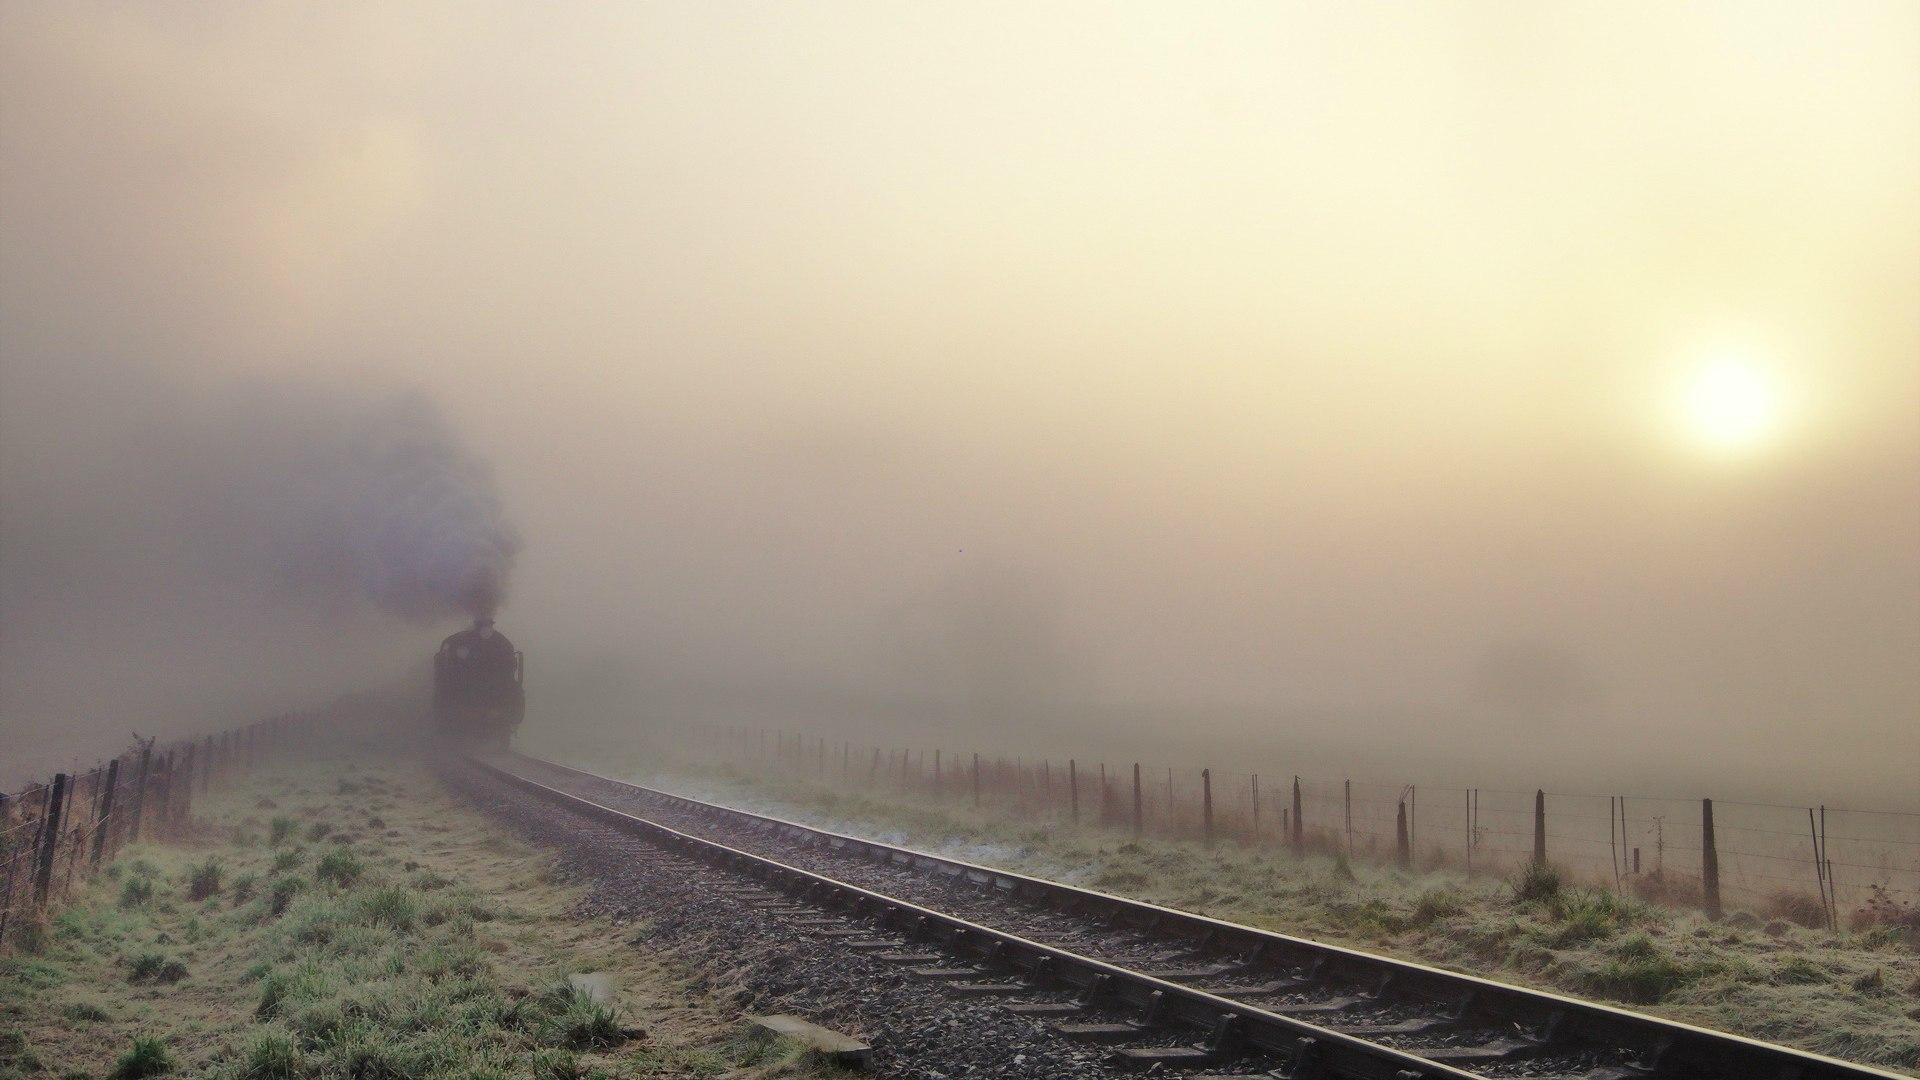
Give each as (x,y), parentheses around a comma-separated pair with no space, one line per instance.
(203,880)
(282,893)
(136,892)
(318,831)
(243,887)
(155,967)
(148,1056)
(340,867)
(289,859)
(578,1022)
(1536,883)
(389,905)
(273,1055)
(1434,905)
(1637,971)
(281,828)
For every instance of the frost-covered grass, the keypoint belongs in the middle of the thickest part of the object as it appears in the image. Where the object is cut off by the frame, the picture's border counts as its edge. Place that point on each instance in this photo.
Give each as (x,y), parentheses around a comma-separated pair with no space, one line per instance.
(406,938)
(1851,995)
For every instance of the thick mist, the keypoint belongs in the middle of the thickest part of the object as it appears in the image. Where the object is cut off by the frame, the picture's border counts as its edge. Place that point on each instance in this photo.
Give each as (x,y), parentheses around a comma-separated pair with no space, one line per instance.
(1290,386)
(175,555)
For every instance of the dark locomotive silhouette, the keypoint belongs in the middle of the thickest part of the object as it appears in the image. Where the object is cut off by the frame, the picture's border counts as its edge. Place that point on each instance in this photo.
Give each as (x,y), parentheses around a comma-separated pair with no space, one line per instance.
(478,694)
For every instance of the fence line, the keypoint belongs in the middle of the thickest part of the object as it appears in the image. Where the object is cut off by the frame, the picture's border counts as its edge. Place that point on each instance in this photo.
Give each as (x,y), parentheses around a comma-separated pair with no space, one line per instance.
(1661,847)
(57,833)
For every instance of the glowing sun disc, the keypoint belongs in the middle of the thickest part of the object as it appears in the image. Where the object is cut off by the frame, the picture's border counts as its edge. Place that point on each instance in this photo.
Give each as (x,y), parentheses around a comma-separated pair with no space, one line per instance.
(1730,405)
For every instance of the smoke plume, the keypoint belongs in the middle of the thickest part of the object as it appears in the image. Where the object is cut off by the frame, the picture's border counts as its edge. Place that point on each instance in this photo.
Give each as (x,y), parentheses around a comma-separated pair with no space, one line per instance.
(390,507)
(178,553)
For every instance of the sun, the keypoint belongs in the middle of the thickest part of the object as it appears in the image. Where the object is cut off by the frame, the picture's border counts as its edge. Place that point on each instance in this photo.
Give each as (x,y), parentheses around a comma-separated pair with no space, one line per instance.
(1731,405)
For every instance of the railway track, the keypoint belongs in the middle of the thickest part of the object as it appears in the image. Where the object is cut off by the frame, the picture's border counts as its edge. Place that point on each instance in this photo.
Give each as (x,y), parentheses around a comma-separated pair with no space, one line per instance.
(1169,989)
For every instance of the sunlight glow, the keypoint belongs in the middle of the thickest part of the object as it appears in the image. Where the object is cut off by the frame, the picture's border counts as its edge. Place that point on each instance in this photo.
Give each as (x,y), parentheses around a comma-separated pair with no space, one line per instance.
(1731,405)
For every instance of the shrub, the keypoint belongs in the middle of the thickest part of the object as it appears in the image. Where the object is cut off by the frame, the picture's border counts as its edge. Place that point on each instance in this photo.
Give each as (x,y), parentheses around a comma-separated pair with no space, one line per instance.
(136,892)
(289,859)
(243,887)
(204,880)
(145,966)
(283,891)
(339,866)
(281,829)
(318,831)
(1882,911)
(1537,882)
(156,967)
(148,1057)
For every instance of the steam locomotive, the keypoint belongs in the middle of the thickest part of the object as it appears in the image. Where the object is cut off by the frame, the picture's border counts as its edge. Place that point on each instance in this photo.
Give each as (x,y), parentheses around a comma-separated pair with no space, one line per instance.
(478,693)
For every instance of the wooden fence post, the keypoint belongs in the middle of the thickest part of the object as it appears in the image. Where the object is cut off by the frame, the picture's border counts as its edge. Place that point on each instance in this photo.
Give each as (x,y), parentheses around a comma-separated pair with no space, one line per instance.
(1709,861)
(1206,805)
(49,839)
(1256,807)
(104,820)
(140,793)
(1073,789)
(182,808)
(1403,845)
(1348,800)
(1299,830)
(1539,827)
(1467,829)
(1139,821)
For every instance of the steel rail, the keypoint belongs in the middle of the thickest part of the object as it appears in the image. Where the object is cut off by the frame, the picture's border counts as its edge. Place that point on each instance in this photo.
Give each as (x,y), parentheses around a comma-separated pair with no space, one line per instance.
(1670,1048)
(1233,1026)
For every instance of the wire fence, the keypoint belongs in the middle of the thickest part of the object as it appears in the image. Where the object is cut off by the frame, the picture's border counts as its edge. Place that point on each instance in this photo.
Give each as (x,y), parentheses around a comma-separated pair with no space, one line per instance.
(1817,865)
(59,833)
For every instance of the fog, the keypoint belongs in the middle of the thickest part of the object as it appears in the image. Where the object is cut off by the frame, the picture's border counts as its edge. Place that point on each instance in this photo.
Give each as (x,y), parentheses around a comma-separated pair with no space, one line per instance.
(1306,385)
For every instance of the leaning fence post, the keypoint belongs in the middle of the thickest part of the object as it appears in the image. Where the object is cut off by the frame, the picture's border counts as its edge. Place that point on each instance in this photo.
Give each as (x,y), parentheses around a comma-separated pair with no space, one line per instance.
(103,822)
(49,839)
(1539,827)
(1206,805)
(1709,861)
(1073,789)
(1403,845)
(1299,833)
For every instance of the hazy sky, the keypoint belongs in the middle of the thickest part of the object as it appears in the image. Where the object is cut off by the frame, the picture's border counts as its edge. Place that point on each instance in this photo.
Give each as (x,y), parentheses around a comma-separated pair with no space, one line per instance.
(1365,377)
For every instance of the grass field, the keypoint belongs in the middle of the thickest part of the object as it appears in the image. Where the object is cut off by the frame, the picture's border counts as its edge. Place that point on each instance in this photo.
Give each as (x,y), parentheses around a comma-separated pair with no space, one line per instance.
(349,921)
(1852,994)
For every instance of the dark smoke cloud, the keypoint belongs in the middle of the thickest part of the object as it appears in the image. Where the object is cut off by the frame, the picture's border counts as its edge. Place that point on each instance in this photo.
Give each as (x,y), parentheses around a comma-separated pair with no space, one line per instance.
(387,505)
